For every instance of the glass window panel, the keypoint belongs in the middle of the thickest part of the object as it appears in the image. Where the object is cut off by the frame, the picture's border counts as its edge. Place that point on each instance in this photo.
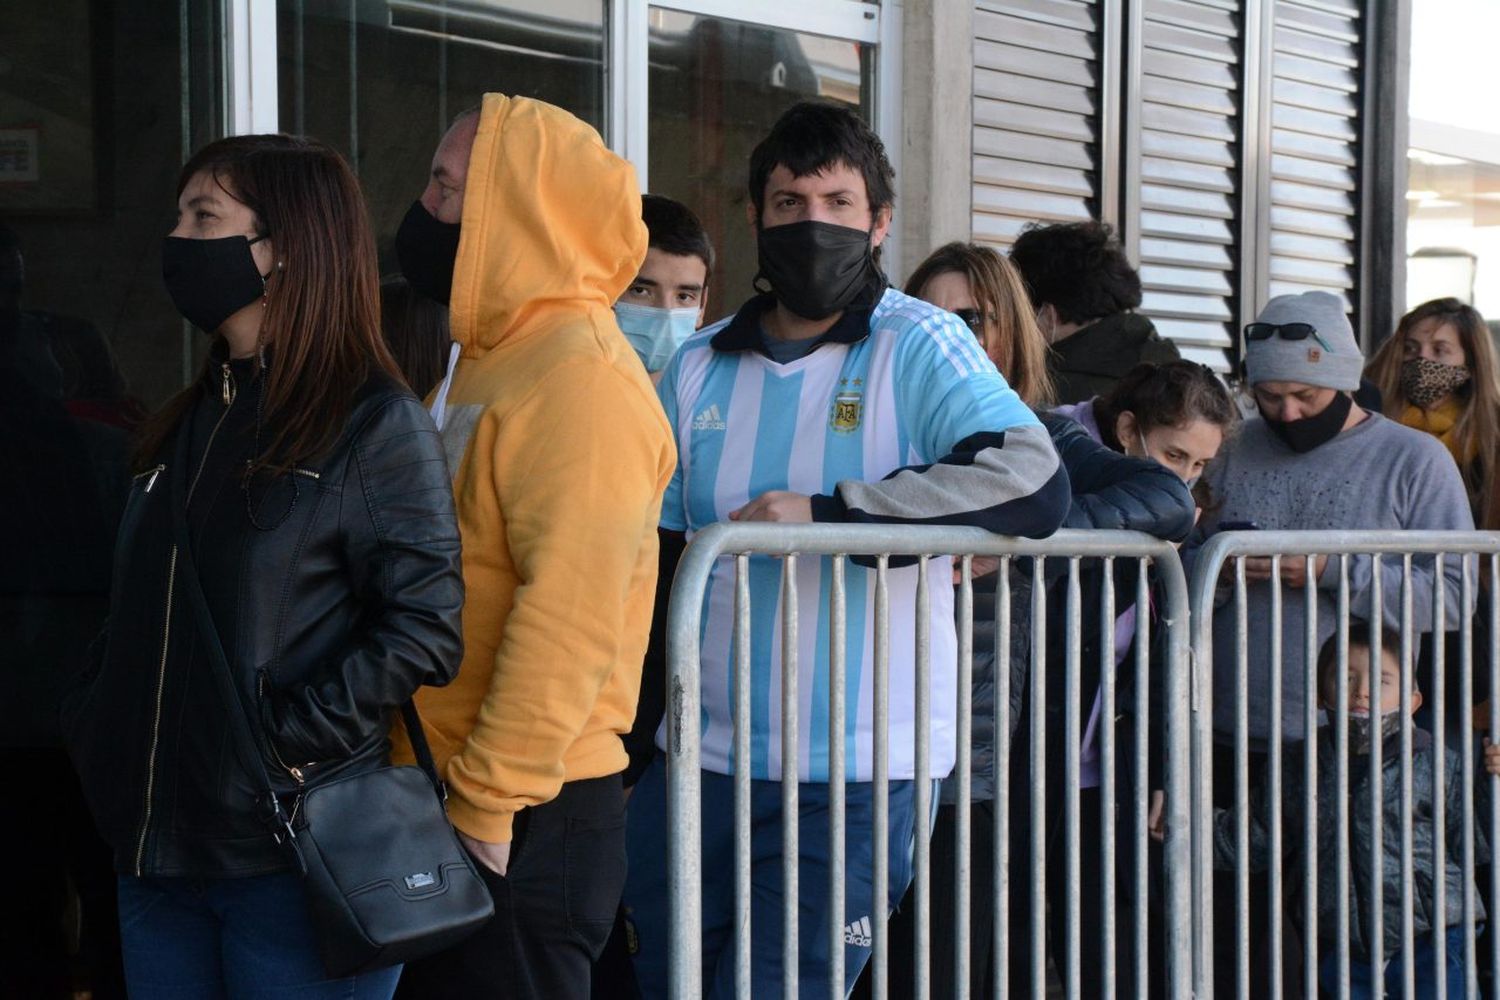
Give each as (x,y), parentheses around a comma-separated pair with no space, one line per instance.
(380,80)
(716,88)
(98,104)
(90,147)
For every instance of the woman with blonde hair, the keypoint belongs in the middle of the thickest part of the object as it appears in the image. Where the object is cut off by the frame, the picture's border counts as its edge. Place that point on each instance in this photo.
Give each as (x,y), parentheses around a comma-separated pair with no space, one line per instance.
(1438,374)
(985,290)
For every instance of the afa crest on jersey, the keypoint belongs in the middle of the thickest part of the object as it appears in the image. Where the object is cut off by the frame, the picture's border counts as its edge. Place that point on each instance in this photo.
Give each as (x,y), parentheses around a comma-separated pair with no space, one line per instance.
(847,409)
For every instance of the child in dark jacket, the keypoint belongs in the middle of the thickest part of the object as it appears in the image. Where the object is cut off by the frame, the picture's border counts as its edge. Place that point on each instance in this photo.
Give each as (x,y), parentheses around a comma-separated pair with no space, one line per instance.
(1435,947)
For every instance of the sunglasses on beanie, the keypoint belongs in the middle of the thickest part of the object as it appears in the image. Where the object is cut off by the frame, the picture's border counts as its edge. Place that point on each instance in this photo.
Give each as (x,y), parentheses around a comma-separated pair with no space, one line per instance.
(1286,331)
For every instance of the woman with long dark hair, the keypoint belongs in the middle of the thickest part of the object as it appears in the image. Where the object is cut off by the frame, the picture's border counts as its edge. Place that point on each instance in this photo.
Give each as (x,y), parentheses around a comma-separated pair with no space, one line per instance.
(302,488)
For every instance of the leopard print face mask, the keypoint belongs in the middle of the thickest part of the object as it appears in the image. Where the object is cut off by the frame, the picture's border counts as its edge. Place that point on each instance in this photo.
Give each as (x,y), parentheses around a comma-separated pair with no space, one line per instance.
(1424,381)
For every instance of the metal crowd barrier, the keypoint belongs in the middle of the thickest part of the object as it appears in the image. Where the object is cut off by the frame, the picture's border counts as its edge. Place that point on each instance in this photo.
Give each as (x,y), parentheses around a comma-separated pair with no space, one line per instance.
(1391,564)
(837,543)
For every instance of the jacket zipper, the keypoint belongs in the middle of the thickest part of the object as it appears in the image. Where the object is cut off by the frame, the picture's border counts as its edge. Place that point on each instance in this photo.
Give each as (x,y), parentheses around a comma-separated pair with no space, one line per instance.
(150,476)
(166,633)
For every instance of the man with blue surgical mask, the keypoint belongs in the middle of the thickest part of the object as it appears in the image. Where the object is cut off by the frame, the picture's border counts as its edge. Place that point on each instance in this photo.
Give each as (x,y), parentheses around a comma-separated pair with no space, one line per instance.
(666,302)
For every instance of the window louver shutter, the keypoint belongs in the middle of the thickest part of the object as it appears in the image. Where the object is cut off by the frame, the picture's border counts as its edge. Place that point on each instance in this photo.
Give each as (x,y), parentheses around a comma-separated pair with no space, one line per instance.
(1036,120)
(1315,148)
(1189,132)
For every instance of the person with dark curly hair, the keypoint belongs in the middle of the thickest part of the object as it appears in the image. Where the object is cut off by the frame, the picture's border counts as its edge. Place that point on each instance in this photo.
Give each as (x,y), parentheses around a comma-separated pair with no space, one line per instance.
(1085,292)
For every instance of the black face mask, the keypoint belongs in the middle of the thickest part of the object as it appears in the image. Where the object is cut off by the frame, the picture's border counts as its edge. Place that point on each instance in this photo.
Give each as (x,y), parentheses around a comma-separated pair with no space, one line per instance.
(1308,433)
(816,269)
(210,280)
(427,249)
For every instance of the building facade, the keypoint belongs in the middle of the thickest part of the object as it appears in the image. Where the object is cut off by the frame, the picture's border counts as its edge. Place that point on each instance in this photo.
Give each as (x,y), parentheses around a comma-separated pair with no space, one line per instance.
(1242,147)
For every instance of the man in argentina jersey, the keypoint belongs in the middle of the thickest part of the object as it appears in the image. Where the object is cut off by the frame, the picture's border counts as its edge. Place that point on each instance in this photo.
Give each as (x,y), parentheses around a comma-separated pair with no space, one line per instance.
(832,397)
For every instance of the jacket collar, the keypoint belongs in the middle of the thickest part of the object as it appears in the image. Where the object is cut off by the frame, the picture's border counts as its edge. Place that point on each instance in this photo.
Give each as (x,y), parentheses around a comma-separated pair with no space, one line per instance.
(1105,344)
(743,332)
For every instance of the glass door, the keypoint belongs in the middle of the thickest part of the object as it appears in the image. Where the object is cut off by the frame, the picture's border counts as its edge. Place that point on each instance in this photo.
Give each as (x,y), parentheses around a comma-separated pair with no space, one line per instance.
(716,87)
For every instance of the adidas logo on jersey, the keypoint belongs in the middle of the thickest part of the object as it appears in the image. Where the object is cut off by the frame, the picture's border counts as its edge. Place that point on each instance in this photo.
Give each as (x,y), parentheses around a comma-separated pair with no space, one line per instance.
(709,420)
(859,933)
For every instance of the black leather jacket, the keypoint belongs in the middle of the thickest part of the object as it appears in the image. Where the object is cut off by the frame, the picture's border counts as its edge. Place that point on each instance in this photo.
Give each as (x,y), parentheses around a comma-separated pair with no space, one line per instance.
(336,592)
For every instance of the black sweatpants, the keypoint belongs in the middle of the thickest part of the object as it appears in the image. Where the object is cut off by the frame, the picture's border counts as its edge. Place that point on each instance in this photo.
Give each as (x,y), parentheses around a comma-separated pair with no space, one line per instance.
(553,908)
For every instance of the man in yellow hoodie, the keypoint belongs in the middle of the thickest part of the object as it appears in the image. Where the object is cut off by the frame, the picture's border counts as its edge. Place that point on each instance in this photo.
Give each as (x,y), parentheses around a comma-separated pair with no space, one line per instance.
(530,229)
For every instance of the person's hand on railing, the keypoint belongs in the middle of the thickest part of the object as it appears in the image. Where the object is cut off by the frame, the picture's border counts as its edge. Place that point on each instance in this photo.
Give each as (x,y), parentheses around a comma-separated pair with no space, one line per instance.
(1481,717)
(980,566)
(777,505)
(1491,757)
(1293,569)
(1156,819)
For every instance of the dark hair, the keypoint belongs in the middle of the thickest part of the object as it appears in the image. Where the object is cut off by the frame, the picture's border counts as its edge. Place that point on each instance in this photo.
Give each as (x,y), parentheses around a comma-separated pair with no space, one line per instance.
(1010,337)
(1166,395)
(322,313)
(1078,268)
(416,331)
(1361,636)
(815,135)
(671,227)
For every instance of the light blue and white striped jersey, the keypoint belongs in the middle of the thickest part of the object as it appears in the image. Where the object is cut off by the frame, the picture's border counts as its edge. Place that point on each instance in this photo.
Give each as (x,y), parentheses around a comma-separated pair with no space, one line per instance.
(902,396)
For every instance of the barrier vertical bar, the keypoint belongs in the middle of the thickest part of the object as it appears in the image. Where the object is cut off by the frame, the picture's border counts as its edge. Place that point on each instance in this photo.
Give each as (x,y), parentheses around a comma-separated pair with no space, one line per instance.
(1341,755)
(1408,895)
(1037,683)
(1241,786)
(881,774)
(921,771)
(1494,780)
(1375,894)
(1273,773)
(742,881)
(1199,671)
(1179,684)
(1465,741)
(963,810)
(791,696)
(1072,743)
(1001,783)
(837,765)
(1144,722)
(684,807)
(1439,783)
(1107,831)
(1309,785)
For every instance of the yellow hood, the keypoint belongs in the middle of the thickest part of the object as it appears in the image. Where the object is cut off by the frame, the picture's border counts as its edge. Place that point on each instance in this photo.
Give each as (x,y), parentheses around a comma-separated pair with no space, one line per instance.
(550,216)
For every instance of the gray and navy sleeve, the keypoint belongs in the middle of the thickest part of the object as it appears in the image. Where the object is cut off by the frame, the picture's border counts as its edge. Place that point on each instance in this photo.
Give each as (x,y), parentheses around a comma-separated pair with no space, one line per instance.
(984,459)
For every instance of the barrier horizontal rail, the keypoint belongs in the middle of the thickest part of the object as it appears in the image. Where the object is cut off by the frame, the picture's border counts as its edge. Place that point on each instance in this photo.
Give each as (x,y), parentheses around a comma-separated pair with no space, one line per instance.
(1399,569)
(882,543)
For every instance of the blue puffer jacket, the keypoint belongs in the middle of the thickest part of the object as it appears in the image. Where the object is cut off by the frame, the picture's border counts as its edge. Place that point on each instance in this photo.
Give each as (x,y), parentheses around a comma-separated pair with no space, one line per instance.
(1110,491)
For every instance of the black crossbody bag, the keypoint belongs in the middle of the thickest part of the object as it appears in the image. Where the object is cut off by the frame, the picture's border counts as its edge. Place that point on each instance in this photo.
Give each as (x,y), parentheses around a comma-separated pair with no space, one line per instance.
(387,880)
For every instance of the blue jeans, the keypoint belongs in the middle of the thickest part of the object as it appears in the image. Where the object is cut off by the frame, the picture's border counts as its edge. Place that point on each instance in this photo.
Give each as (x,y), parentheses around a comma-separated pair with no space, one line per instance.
(229,939)
(1424,971)
(647,896)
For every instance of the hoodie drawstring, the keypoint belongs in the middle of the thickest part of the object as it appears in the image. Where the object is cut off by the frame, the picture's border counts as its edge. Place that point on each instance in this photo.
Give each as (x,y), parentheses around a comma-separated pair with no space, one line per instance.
(439,409)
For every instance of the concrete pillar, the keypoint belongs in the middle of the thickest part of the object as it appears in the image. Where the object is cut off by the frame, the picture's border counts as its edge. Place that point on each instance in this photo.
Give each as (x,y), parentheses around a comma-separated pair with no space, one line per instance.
(935,186)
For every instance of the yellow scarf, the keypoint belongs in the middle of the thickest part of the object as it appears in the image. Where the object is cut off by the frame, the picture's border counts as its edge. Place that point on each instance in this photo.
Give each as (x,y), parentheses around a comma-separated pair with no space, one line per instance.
(1441,422)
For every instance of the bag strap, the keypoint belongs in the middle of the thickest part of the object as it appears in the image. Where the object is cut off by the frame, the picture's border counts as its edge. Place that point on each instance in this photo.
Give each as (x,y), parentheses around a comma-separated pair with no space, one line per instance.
(243,722)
